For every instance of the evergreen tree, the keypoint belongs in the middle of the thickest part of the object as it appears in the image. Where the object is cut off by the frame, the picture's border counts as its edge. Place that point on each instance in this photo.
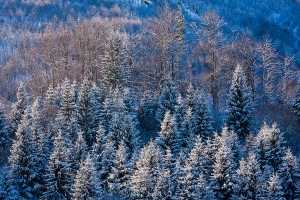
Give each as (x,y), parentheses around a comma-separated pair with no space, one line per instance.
(269,147)
(296,103)
(274,189)
(145,175)
(222,177)
(179,176)
(290,176)
(168,136)
(208,158)
(86,184)
(187,136)
(19,107)
(249,179)
(59,175)
(98,147)
(203,189)
(180,26)
(193,169)
(21,160)
(167,100)
(4,134)
(80,150)
(118,179)
(201,120)
(239,105)
(116,69)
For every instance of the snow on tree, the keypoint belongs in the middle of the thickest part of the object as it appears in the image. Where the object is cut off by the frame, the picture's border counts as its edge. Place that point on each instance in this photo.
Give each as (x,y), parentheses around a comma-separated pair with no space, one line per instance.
(4,134)
(179,115)
(249,179)
(239,105)
(180,26)
(179,176)
(80,151)
(116,69)
(274,189)
(168,135)
(208,158)
(201,119)
(269,147)
(19,107)
(167,99)
(186,134)
(86,184)
(296,103)
(222,178)
(193,169)
(21,160)
(145,175)
(59,175)
(99,146)
(290,176)
(203,189)
(118,179)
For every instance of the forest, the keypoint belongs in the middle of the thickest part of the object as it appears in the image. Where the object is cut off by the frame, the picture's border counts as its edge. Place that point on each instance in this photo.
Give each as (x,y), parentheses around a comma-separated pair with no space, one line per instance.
(149,99)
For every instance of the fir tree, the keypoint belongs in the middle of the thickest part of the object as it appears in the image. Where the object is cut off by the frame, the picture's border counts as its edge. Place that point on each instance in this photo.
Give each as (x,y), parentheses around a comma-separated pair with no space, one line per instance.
(179,176)
(4,134)
(290,175)
(59,175)
(274,189)
(167,99)
(201,120)
(269,147)
(179,26)
(249,179)
(203,189)
(145,175)
(193,169)
(19,107)
(118,179)
(222,177)
(99,147)
(116,69)
(168,136)
(239,105)
(21,160)
(86,184)
(80,150)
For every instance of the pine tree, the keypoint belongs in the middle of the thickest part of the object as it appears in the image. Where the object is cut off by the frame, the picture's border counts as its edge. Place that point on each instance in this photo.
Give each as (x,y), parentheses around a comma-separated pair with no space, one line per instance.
(59,175)
(168,136)
(269,147)
(274,189)
(116,70)
(179,176)
(80,150)
(118,179)
(201,120)
(290,175)
(209,152)
(167,99)
(249,179)
(99,147)
(222,177)
(4,134)
(239,105)
(19,107)
(86,184)
(145,175)
(203,189)
(186,134)
(22,171)
(193,169)
(296,103)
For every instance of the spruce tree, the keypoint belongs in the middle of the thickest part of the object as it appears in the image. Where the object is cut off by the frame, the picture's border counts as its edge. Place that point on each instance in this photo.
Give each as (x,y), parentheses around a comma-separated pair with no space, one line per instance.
(290,175)
(193,169)
(167,100)
(59,175)
(168,135)
(19,107)
(146,172)
(99,146)
(81,150)
(21,160)
(116,69)
(201,121)
(269,147)
(249,179)
(222,177)
(239,105)
(118,180)
(203,189)
(274,189)
(86,184)
(4,128)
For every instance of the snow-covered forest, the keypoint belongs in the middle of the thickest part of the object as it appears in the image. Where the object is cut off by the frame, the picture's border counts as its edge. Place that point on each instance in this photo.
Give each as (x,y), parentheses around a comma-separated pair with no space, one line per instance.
(129,99)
